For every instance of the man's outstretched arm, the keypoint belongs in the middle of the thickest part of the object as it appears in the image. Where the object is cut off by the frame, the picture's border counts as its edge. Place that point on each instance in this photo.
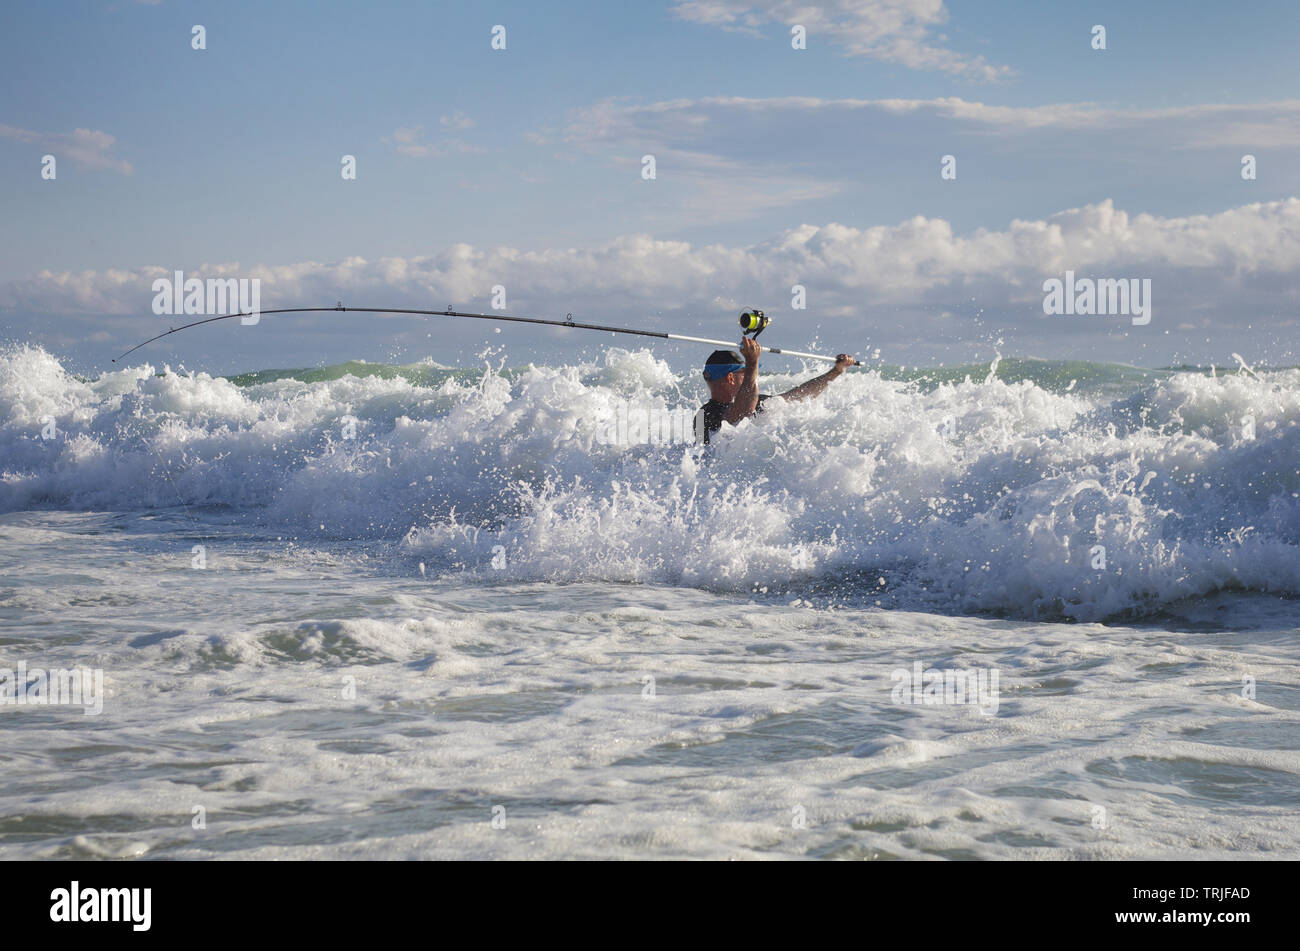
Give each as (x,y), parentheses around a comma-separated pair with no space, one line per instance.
(814,387)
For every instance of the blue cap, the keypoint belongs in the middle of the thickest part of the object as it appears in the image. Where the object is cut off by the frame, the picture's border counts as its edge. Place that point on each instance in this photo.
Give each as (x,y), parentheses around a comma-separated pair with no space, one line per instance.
(716,371)
(722,362)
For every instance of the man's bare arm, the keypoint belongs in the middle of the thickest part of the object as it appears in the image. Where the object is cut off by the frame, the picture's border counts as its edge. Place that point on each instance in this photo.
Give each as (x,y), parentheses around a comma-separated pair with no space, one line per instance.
(746,399)
(815,386)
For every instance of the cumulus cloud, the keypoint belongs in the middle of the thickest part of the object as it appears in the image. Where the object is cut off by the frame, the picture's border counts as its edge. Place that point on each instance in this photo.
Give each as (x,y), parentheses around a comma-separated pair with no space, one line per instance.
(919,289)
(890,263)
(87,148)
(896,31)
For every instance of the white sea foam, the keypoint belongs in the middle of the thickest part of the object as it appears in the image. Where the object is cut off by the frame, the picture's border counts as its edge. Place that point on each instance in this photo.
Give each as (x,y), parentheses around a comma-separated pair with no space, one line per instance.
(976,495)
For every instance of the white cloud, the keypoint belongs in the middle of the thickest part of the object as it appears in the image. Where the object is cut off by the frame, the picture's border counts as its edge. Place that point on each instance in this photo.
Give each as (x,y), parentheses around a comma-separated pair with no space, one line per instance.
(725,159)
(1266,124)
(406,139)
(886,264)
(918,289)
(457,120)
(87,148)
(897,31)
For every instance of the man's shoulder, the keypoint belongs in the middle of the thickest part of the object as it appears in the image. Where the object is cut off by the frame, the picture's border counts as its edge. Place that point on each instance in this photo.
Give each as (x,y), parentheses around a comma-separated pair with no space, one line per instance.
(715,406)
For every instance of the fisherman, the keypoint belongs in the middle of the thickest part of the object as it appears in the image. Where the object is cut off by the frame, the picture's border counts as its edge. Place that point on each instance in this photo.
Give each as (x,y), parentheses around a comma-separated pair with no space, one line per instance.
(733,387)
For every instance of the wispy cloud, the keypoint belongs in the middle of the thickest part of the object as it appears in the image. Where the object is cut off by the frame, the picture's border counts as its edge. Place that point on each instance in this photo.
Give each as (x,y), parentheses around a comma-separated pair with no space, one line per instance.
(898,31)
(457,120)
(725,159)
(87,148)
(1265,124)
(407,141)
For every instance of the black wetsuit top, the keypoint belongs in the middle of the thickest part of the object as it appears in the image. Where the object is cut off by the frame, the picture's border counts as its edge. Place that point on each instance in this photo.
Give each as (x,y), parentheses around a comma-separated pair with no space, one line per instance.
(710,417)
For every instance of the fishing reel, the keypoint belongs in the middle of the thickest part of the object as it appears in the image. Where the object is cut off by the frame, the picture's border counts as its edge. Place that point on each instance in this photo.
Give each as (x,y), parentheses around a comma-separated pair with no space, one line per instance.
(753,322)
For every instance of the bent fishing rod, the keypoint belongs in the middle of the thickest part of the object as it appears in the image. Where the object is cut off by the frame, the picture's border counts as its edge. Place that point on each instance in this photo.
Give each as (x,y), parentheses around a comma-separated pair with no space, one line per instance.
(752,322)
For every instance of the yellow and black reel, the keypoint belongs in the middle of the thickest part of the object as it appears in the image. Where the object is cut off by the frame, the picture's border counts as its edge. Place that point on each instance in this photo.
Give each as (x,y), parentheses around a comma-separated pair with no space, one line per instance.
(753,322)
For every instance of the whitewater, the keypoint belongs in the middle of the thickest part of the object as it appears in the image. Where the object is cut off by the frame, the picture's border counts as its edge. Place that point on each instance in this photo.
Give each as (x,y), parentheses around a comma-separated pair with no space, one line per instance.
(499,611)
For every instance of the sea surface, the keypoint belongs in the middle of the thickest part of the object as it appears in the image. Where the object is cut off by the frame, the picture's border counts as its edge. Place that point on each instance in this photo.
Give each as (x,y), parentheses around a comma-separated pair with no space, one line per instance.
(1027,610)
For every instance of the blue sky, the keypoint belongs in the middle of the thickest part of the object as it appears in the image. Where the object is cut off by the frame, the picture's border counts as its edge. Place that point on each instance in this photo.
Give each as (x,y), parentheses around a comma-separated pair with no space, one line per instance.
(522,167)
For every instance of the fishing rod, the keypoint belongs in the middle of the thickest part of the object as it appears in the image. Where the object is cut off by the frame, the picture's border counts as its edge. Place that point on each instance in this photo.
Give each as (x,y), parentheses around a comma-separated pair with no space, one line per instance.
(752,322)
